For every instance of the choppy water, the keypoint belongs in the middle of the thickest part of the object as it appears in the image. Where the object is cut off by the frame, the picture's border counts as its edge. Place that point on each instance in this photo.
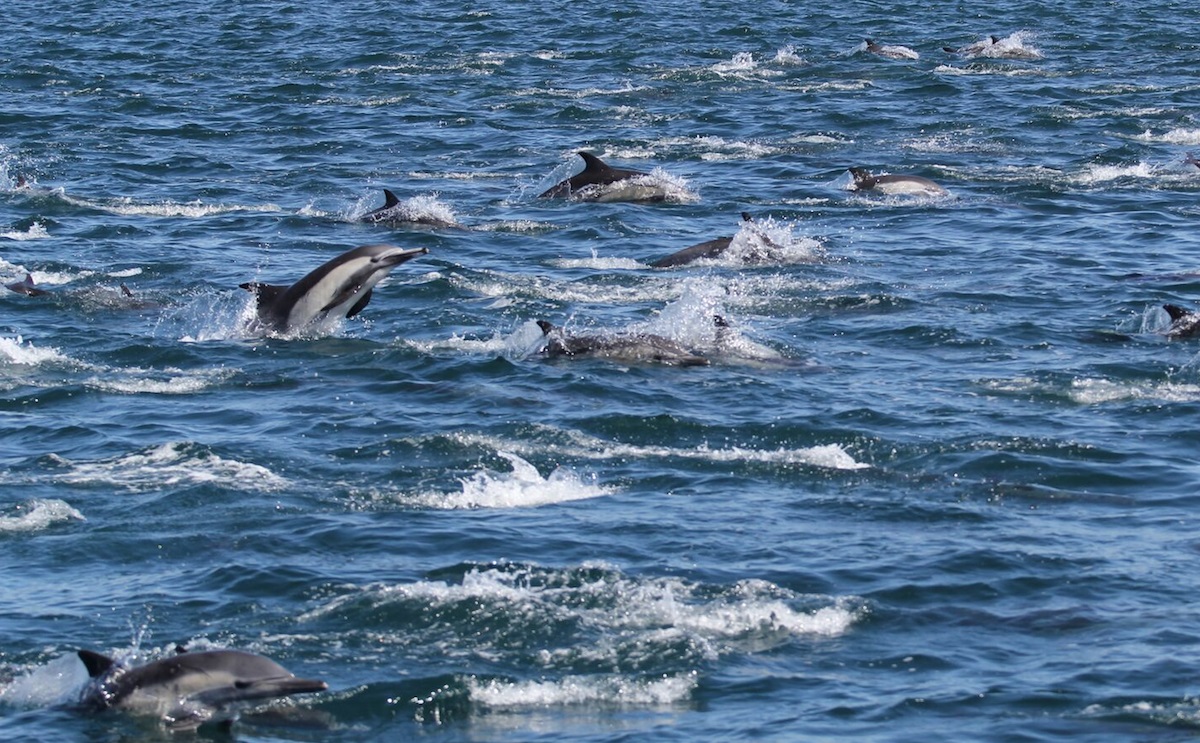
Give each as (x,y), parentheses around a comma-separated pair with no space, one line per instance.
(937,484)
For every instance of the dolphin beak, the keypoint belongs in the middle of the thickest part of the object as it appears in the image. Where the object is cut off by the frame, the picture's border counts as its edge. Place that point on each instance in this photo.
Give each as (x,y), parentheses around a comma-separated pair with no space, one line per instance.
(398,255)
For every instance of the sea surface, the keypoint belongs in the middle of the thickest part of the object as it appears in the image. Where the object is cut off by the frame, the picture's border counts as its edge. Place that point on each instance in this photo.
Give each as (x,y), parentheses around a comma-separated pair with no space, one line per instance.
(939,481)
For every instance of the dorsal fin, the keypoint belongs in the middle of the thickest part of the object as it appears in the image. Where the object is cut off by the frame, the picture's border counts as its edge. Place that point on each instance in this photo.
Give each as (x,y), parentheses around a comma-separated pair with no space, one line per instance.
(747,217)
(546,326)
(1176,312)
(862,177)
(95,663)
(593,164)
(389,199)
(266,293)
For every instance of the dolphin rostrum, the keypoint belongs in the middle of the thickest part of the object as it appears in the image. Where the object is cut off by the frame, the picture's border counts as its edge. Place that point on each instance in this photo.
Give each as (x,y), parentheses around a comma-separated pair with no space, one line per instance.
(589,184)
(341,287)
(633,348)
(895,184)
(189,689)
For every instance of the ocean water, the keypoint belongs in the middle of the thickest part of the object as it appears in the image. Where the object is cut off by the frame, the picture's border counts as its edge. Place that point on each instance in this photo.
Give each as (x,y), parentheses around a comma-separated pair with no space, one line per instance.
(936,484)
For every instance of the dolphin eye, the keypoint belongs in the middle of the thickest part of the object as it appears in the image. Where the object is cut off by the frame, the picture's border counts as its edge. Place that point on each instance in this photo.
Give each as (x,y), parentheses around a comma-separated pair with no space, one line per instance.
(242,684)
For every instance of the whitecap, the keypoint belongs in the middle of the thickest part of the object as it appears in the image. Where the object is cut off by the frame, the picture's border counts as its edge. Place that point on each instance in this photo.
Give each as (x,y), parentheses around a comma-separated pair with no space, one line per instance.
(175,464)
(523,487)
(36,231)
(17,352)
(611,690)
(36,515)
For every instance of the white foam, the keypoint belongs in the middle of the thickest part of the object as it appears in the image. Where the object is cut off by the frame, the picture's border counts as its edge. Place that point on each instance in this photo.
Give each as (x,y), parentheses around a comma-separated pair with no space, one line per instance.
(16,351)
(169,465)
(36,515)
(169,381)
(1095,174)
(36,231)
(523,487)
(1099,391)
(618,691)
(194,210)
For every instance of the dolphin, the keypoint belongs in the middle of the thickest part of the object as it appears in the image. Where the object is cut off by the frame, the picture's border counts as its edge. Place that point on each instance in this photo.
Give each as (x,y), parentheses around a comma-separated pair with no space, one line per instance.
(341,287)
(639,348)
(392,212)
(709,249)
(1184,322)
(1191,160)
(889,51)
(189,689)
(26,287)
(895,184)
(589,184)
(973,49)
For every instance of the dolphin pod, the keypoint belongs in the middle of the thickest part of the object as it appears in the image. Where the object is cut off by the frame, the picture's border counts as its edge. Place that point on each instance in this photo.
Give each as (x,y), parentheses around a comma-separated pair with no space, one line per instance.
(189,689)
(341,287)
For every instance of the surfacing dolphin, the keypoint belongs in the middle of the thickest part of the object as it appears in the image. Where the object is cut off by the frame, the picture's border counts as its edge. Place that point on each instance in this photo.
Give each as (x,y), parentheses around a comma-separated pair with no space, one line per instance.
(890,51)
(339,288)
(26,287)
(393,212)
(1184,322)
(595,183)
(709,249)
(189,689)
(895,184)
(639,348)
(975,48)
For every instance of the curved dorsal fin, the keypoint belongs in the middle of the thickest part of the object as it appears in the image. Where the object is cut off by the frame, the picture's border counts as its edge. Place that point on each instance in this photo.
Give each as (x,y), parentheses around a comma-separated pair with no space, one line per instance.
(1176,312)
(389,199)
(95,663)
(591,163)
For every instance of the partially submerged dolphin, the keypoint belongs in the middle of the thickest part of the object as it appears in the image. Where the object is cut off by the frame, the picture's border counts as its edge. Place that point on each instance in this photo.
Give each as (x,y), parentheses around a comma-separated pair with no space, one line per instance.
(393,212)
(26,287)
(895,184)
(709,249)
(890,51)
(341,287)
(189,689)
(973,49)
(633,348)
(1184,322)
(595,181)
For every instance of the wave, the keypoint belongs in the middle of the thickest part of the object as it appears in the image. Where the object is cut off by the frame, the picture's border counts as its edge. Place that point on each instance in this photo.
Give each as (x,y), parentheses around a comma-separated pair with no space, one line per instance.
(522,487)
(174,464)
(37,515)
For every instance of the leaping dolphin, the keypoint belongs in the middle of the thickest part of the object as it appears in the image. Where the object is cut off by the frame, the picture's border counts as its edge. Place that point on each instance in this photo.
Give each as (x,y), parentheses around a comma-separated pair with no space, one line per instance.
(635,348)
(895,184)
(189,689)
(589,184)
(341,287)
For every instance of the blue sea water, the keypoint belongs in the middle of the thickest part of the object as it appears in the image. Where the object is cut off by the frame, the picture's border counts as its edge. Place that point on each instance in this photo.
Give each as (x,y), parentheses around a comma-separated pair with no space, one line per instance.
(937,483)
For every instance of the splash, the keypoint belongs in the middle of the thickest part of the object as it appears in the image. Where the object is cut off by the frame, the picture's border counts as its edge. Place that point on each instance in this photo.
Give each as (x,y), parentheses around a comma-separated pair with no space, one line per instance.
(38,515)
(522,487)
(619,691)
(36,231)
(175,464)
(17,352)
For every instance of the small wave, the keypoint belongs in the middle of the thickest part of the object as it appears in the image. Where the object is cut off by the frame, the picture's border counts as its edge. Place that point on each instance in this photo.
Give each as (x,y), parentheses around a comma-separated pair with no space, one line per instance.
(168,381)
(36,515)
(1100,391)
(523,487)
(193,210)
(621,691)
(17,352)
(1096,174)
(168,465)
(36,231)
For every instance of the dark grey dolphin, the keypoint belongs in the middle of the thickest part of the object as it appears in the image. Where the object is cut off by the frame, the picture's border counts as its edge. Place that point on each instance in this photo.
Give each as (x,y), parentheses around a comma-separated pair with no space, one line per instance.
(341,287)
(588,184)
(634,348)
(974,48)
(393,212)
(895,184)
(1184,322)
(189,689)
(26,287)
(709,249)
